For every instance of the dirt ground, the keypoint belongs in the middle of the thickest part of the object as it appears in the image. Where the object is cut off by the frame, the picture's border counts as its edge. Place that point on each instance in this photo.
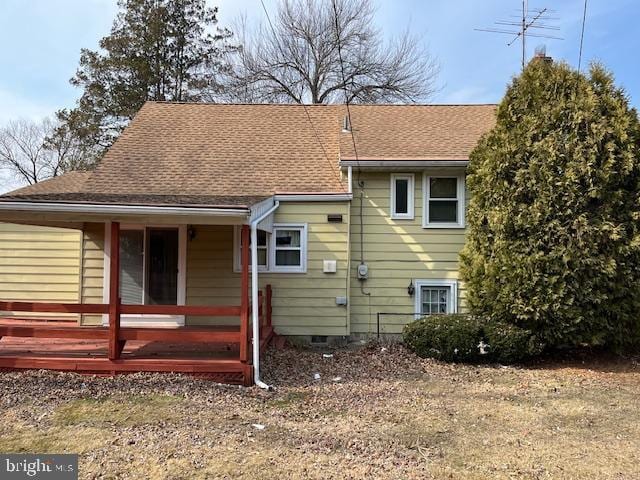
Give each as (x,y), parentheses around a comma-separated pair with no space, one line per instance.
(375,412)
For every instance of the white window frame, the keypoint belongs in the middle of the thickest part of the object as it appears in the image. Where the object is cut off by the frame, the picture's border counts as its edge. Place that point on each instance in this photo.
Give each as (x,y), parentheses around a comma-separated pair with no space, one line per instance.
(271,250)
(452,306)
(302,268)
(410,177)
(237,252)
(460,197)
(139,320)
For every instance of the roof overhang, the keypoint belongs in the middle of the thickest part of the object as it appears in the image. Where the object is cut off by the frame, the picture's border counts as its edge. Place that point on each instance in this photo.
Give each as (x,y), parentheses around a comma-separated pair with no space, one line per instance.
(313,197)
(412,163)
(31,211)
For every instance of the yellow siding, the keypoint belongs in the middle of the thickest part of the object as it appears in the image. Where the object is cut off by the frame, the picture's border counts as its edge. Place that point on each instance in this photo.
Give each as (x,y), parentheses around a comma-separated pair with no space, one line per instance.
(92,269)
(396,251)
(39,264)
(303,303)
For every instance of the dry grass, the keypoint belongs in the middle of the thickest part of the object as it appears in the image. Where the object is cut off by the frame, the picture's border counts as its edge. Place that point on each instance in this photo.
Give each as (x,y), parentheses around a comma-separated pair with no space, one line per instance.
(391,416)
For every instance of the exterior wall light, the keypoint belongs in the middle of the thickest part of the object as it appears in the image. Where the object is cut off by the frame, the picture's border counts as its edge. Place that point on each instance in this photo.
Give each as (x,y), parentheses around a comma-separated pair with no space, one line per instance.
(411,289)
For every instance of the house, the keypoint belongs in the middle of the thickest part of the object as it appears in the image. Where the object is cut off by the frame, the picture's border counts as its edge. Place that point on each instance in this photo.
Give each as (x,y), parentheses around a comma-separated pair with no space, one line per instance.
(333,222)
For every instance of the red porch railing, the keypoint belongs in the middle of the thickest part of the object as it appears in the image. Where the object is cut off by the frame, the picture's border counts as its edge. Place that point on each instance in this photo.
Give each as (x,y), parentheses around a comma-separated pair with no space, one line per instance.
(118,336)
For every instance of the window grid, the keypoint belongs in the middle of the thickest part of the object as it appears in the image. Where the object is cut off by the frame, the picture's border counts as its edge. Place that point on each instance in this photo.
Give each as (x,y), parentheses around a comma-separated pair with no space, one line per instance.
(435,300)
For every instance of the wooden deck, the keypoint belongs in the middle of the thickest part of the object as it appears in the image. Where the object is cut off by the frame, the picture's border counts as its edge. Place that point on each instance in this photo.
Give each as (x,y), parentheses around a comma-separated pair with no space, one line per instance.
(223,353)
(208,352)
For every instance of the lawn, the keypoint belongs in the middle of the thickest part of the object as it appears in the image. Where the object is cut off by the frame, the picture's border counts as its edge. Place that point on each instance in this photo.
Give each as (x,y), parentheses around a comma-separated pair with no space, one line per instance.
(374,413)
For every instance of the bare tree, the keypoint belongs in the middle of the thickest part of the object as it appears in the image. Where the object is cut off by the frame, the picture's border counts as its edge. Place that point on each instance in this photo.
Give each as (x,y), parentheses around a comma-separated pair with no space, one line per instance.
(315,49)
(34,151)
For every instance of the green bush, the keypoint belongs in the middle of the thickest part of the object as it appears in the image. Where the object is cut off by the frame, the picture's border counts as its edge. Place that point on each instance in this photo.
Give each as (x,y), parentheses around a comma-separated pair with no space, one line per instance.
(553,224)
(453,338)
(457,338)
(510,344)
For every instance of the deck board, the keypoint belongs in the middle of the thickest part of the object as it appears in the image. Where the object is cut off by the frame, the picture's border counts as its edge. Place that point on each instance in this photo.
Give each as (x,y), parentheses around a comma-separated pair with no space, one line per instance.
(37,345)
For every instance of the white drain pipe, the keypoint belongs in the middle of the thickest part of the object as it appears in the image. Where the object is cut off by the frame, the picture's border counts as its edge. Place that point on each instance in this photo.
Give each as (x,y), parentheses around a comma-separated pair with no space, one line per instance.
(255,318)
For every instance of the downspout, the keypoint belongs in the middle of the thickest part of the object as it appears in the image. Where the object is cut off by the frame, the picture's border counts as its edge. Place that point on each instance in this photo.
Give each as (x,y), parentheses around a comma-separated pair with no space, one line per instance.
(255,320)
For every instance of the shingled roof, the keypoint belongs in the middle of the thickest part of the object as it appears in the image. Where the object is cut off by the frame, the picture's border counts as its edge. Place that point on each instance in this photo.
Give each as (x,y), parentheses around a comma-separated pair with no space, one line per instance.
(416,132)
(237,155)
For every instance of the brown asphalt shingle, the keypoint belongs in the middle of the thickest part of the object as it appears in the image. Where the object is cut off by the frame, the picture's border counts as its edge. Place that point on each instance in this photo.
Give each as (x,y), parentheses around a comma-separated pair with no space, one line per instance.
(416,132)
(205,154)
(70,182)
(205,149)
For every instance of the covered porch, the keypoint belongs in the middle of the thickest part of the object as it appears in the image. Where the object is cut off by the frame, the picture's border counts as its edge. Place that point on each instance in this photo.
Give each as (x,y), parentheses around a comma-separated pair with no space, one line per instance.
(141,316)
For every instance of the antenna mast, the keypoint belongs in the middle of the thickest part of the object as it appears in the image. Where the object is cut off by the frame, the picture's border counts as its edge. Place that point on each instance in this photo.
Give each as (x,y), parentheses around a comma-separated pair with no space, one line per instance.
(528,21)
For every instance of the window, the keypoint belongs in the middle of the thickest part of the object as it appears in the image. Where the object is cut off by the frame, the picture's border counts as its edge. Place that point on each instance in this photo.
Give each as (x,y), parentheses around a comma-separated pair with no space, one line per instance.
(402,196)
(436,296)
(289,252)
(284,250)
(263,250)
(444,202)
(288,247)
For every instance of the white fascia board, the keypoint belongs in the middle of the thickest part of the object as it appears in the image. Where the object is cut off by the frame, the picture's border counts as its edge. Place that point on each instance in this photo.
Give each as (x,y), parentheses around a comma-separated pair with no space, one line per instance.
(100,209)
(314,197)
(364,164)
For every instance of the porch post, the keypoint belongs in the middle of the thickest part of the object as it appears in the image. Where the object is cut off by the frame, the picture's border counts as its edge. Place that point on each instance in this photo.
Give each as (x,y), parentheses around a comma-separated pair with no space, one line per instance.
(115,346)
(244,296)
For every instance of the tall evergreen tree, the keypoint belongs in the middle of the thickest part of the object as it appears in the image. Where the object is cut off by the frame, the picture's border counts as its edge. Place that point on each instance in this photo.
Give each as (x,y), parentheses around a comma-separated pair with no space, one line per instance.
(554,218)
(157,50)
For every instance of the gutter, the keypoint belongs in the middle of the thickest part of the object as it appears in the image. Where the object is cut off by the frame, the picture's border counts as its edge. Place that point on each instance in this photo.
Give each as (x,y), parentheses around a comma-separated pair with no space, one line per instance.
(403,163)
(313,197)
(119,209)
(255,320)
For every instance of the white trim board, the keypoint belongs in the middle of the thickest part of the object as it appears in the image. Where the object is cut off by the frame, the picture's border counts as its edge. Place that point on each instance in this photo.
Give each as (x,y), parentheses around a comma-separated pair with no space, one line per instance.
(121,209)
(314,197)
(390,164)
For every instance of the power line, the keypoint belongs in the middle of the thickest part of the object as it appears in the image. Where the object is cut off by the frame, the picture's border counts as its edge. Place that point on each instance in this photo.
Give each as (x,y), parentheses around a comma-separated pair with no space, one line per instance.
(344,85)
(584,20)
(306,111)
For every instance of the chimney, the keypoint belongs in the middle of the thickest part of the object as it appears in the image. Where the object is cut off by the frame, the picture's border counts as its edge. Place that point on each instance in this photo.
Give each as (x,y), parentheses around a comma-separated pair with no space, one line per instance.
(541,54)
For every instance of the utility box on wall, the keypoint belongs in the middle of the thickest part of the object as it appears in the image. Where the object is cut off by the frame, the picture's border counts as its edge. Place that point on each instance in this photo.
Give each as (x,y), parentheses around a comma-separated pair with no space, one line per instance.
(329,266)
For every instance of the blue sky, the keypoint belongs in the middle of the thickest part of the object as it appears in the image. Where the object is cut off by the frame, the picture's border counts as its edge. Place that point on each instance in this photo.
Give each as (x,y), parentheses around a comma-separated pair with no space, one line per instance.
(40,41)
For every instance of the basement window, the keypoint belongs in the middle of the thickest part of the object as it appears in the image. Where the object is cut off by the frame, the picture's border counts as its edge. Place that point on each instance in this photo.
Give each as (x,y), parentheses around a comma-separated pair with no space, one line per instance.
(402,194)
(436,297)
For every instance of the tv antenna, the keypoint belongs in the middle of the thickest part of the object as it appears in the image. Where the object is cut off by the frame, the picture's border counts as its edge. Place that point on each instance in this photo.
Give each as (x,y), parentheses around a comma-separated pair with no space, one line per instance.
(531,22)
